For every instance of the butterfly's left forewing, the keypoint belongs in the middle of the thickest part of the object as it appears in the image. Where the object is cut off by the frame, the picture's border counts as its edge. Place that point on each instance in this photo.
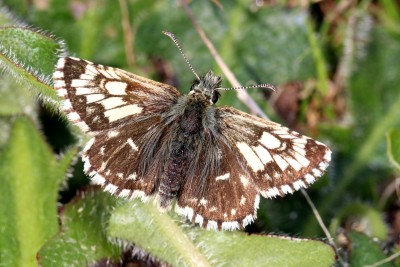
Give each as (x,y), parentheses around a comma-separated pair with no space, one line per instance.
(99,98)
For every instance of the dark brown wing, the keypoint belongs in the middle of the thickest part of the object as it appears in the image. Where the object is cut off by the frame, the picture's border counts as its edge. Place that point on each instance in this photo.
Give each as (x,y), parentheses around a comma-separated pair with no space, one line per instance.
(223,199)
(279,160)
(256,157)
(97,97)
(113,158)
(122,112)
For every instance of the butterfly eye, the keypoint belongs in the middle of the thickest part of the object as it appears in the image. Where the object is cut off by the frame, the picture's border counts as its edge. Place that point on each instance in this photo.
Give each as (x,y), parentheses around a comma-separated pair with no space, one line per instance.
(215,97)
(194,85)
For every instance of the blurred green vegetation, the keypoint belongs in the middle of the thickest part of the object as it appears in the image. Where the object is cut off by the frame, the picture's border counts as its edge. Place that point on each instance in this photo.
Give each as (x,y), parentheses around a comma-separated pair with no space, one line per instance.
(336,64)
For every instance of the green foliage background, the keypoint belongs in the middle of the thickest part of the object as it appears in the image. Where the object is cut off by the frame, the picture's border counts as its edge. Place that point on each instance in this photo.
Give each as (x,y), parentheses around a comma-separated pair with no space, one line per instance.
(344,59)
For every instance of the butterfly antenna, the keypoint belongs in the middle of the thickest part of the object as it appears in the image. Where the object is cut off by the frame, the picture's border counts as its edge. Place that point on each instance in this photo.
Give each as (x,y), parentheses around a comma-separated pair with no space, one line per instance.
(263,85)
(172,36)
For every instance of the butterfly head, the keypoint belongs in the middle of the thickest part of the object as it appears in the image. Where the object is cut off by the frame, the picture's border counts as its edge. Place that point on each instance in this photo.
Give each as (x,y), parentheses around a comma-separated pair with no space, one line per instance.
(207,86)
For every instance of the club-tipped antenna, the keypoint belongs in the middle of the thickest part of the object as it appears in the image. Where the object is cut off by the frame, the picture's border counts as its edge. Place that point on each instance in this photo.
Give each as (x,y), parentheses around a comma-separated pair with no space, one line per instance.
(172,36)
(263,85)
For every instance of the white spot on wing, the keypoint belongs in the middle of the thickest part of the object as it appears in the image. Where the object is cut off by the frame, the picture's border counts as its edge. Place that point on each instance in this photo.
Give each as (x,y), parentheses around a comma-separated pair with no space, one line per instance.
(113,73)
(111,188)
(199,219)
(122,112)
(271,192)
(281,162)
(186,212)
(139,194)
(85,76)
(328,156)
(125,193)
(300,147)
(230,226)
(116,88)
(83,126)
(112,134)
(132,144)
(58,75)
(90,68)
(242,201)
(247,220)
(256,202)
(86,166)
(60,63)
(66,105)
(309,178)
(223,177)
(293,163)
(105,73)
(269,141)
(300,140)
(112,102)
(81,83)
(85,91)
(252,159)
(203,201)
(212,225)
(301,159)
(244,180)
(286,189)
(94,98)
(59,84)
(316,172)
(88,145)
(98,179)
(299,184)
(132,176)
(263,154)
(61,92)
(73,116)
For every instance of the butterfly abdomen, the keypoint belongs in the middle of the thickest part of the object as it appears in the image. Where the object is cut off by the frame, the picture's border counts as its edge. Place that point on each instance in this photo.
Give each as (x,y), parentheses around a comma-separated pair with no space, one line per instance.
(186,138)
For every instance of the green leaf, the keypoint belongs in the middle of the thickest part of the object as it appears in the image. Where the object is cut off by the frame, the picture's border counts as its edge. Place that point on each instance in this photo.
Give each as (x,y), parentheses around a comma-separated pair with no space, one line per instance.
(15,99)
(30,55)
(156,233)
(365,251)
(30,177)
(393,147)
(83,239)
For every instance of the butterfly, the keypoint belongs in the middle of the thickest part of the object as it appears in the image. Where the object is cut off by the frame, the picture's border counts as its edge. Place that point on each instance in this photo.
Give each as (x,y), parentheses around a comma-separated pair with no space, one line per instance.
(148,139)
